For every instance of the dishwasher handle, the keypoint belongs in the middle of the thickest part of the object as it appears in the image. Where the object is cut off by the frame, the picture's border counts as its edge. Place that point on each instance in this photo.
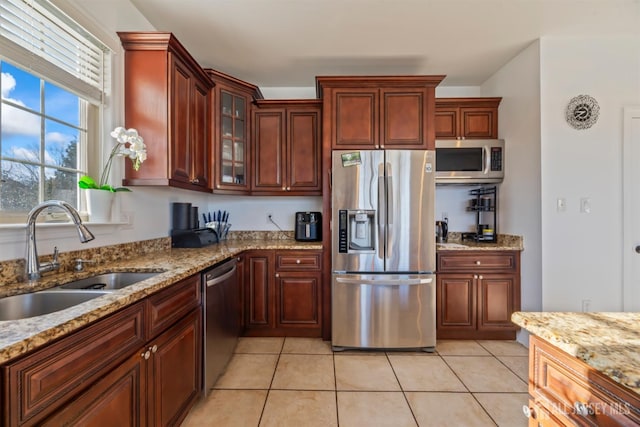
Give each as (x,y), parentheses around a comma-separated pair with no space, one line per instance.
(211,279)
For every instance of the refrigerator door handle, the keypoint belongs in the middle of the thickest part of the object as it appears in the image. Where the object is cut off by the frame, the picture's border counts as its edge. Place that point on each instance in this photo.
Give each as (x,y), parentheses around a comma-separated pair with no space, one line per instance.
(382,210)
(391,282)
(389,195)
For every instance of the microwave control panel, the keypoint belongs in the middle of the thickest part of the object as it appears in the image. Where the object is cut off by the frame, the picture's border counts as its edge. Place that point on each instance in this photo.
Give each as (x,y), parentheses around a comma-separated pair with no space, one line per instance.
(496,159)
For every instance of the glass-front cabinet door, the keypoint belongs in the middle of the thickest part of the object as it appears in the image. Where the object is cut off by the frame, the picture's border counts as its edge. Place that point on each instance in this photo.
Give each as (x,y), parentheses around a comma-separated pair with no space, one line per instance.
(233,159)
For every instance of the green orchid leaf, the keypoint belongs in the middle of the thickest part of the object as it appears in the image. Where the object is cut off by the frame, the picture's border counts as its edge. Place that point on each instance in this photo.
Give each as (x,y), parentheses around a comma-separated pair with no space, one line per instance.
(86,182)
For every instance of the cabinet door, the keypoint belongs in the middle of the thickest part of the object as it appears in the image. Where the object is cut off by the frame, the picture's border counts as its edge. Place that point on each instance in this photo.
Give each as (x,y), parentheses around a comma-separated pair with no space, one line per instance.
(118,399)
(269,151)
(181,84)
(403,118)
(298,299)
(304,152)
(447,123)
(201,138)
(175,371)
(479,122)
(496,301)
(232,154)
(259,302)
(355,119)
(456,301)
(46,380)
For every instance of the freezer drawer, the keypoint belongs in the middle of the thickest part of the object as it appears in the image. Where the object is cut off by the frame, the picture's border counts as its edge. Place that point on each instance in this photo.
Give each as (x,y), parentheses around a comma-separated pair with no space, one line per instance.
(383,311)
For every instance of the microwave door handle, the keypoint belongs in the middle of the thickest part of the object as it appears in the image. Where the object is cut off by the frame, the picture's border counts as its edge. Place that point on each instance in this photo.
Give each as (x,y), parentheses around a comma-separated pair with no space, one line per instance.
(486,159)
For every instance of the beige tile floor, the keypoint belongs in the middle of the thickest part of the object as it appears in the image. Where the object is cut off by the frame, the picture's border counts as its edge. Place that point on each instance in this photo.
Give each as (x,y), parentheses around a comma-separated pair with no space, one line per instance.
(300,382)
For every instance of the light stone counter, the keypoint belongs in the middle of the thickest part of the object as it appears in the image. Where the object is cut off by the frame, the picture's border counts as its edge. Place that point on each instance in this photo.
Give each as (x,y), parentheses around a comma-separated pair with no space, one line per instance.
(18,337)
(608,342)
(506,242)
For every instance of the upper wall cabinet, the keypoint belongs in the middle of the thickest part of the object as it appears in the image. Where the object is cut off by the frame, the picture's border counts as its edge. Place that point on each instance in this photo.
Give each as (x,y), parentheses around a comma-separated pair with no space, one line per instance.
(379,112)
(231,157)
(460,118)
(286,147)
(167,99)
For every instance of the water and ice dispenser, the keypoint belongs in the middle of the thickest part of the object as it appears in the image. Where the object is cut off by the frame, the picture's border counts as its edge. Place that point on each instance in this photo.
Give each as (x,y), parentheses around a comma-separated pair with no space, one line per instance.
(357,232)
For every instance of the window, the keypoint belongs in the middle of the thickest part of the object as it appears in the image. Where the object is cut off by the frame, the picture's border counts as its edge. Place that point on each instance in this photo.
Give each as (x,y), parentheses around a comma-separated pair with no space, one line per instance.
(53,84)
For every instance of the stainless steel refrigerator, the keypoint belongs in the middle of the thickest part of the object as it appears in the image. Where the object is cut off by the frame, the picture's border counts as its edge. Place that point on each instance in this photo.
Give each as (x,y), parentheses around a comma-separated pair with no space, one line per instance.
(383,249)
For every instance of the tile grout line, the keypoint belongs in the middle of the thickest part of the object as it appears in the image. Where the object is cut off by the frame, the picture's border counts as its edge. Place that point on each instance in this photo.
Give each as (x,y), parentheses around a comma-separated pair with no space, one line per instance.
(266,399)
(404,394)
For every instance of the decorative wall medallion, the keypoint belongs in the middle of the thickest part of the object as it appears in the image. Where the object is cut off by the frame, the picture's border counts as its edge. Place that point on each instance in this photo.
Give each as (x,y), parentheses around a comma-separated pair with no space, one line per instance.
(582,112)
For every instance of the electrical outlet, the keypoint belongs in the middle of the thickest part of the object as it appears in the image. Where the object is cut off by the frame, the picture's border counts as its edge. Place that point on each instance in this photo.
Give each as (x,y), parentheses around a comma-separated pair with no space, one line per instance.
(585,205)
(561,204)
(269,217)
(445,216)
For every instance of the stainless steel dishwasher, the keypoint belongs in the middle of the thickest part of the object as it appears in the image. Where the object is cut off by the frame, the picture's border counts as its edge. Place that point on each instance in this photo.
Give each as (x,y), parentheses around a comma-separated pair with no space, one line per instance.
(221,319)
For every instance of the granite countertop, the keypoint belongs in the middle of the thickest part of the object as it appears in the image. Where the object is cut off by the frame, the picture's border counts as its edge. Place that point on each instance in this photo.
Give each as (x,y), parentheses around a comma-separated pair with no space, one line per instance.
(506,242)
(18,337)
(608,342)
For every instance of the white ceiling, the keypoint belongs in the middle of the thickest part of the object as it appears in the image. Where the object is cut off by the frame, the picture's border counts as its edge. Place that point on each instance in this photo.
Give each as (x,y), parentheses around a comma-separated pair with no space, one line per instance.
(286,43)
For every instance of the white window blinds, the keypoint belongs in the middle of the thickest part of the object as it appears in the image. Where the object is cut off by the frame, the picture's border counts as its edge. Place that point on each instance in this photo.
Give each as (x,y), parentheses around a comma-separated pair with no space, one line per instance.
(41,37)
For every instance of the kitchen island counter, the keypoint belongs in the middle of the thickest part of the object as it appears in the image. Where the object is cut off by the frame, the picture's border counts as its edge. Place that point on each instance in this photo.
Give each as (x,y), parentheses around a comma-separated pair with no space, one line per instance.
(18,337)
(607,342)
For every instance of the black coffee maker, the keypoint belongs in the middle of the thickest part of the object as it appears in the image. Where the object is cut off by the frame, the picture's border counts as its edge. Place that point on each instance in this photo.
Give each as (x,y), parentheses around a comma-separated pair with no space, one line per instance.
(308,226)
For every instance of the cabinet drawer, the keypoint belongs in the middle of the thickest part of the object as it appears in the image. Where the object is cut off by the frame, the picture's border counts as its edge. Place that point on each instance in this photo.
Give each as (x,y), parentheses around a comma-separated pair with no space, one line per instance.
(39,384)
(477,261)
(171,304)
(571,390)
(303,260)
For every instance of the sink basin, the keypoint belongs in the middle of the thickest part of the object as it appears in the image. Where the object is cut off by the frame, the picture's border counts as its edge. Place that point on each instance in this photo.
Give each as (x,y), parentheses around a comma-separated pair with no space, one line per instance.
(109,281)
(44,302)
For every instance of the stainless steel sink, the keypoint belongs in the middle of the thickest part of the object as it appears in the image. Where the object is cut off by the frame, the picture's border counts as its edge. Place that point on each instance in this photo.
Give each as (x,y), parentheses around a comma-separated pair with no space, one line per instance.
(109,281)
(44,302)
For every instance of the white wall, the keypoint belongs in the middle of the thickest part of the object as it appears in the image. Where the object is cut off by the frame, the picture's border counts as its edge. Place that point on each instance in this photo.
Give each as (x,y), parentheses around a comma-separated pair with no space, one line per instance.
(519,195)
(581,255)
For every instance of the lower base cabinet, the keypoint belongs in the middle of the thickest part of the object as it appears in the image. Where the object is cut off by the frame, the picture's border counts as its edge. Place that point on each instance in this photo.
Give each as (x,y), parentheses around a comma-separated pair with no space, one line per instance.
(140,366)
(565,391)
(282,293)
(476,293)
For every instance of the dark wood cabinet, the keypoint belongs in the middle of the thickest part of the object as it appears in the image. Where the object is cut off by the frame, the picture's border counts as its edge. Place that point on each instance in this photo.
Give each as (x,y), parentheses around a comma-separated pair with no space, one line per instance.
(283,293)
(564,390)
(231,154)
(286,147)
(258,290)
(378,112)
(167,99)
(466,118)
(476,293)
(140,366)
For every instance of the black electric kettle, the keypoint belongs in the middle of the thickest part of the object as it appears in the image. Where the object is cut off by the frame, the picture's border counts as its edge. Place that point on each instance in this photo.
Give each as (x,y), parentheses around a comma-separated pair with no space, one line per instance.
(442,230)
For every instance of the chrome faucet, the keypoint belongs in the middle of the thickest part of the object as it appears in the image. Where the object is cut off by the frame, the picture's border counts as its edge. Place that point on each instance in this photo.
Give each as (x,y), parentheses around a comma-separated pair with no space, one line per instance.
(34,269)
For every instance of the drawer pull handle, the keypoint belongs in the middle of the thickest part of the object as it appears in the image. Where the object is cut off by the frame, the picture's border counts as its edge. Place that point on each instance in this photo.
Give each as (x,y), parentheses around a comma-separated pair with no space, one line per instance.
(582,409)
(528,412)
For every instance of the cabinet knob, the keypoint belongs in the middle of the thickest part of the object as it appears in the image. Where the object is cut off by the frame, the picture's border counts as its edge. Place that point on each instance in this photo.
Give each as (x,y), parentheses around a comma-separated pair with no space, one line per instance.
(288,188)
(297,261)
(195,181)
(284,188)
(582,409)
(528,412)
(480,277)
(146,355)
(277,274)
(475,276)
(154,348)
(478,263)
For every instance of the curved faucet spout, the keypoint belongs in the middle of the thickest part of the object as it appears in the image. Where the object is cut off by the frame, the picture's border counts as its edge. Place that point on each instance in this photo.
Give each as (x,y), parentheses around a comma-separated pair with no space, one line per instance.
(34,269)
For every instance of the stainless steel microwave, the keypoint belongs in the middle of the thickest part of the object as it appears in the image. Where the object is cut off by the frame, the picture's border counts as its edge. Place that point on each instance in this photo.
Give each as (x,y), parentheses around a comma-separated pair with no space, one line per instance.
(469,161)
